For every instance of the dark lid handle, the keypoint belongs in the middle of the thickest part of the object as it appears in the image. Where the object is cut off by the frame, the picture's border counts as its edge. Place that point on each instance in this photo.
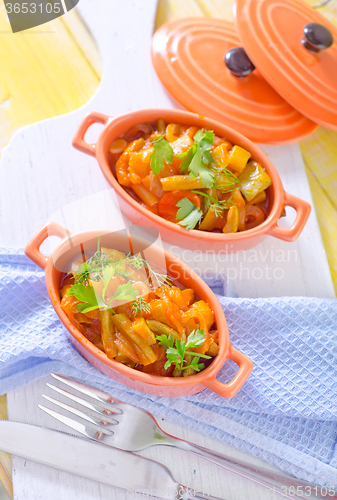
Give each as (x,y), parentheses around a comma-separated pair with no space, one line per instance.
(316,37)
(238,62)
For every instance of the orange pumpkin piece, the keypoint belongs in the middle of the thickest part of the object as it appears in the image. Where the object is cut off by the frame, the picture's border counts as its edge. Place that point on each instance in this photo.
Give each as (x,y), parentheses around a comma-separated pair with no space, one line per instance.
(184,143)
(153,184)
(139,163)
(221,156)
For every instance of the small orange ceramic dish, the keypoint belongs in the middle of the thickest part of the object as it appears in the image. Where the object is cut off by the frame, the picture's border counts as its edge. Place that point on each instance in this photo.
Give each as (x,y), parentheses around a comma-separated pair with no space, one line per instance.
(71,248)
(194,239)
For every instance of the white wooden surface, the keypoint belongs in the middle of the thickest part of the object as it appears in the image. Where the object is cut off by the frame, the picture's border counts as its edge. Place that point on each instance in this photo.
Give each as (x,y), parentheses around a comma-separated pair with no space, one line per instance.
(41,172)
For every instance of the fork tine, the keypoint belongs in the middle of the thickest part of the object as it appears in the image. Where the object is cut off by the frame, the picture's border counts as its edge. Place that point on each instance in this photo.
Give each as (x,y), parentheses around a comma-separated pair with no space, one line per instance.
(96,408)
(87,431)
(101,396)
(75,411)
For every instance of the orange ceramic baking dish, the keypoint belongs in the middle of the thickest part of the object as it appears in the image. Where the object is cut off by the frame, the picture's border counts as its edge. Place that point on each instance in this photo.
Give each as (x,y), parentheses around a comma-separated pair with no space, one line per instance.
(193,239)
(71,248)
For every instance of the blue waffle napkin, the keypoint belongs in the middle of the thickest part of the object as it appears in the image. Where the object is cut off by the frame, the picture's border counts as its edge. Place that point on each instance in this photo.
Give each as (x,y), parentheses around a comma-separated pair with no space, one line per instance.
(286,413)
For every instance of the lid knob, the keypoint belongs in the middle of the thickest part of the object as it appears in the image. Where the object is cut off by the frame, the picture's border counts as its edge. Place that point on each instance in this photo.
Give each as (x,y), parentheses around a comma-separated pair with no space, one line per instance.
(238,62)
(316,37)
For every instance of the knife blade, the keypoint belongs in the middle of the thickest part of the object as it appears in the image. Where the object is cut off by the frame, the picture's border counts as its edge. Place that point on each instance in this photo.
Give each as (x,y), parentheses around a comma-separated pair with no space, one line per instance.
(92,460)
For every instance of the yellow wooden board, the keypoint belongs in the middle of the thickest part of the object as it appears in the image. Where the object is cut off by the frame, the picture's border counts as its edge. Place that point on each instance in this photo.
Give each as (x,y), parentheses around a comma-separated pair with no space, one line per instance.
(55,68)
(44,73)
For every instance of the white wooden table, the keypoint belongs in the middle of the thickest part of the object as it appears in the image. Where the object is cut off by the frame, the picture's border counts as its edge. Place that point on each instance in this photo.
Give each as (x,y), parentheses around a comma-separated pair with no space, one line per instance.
(48,174)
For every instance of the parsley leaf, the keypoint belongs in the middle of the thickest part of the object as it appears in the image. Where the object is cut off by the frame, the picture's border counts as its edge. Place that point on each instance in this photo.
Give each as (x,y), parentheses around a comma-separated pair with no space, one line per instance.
(125,292)
(186,207)
(181,348)
(162,151)
(195,339)
(198,168)
(83,308)
(188,156)
(195,365)
(165,341)
(177,354)
(108,273)
(83,293)
(87,295)
(198,156)
(205,142)
(199,135)
(192,219)
(172,357)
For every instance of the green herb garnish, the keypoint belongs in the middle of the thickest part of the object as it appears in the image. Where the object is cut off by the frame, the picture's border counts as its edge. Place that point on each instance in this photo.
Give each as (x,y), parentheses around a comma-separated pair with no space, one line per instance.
(176,350)
(198,157)
(155,277)
(185,207)
(140,305)
(125,292)
(162,152)
(101,268)
(189,213)
(204,140)
(188,156)
(218,206)
(230,181)
(93,301)
(84,294)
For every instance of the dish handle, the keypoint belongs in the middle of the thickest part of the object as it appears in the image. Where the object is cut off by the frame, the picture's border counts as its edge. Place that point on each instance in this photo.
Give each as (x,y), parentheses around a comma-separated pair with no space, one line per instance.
(78,139)
(245,368)
(302,213)
(32,250)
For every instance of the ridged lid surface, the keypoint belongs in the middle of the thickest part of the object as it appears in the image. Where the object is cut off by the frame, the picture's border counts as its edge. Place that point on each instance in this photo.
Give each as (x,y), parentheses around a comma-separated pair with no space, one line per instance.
(271,32)
(188,55)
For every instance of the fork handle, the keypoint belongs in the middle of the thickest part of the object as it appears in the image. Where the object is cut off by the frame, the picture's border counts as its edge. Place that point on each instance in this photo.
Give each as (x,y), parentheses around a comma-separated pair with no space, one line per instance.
(275,482)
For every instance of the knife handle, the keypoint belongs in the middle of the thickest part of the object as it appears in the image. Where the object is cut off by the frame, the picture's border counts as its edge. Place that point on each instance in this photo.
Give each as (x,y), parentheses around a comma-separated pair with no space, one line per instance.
(186,493)
(276,482)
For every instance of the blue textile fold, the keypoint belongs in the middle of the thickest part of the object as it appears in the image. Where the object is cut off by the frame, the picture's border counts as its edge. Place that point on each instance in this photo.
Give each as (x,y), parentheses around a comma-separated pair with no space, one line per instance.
(286,413)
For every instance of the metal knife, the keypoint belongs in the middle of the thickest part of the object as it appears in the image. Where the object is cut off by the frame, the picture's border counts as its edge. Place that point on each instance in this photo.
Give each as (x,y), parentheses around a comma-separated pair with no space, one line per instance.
(95,461)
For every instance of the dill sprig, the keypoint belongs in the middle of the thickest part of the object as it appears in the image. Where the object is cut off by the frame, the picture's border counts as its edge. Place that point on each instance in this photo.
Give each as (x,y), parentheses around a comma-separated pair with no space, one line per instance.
(215,204)
(102,268)
(229,181)
(140,305)
(138,262)
(94,267)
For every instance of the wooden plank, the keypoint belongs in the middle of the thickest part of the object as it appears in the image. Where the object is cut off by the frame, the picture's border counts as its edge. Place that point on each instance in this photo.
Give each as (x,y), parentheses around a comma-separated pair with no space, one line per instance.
(216,8)
(5,459)
(176,9)
(129,97)
(45,57)
(79,33)
(327,217)
(44,482)
(38,77)
(320,156)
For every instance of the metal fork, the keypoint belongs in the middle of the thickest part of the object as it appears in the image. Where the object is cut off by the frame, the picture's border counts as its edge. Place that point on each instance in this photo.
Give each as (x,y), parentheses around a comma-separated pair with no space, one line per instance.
(128,428)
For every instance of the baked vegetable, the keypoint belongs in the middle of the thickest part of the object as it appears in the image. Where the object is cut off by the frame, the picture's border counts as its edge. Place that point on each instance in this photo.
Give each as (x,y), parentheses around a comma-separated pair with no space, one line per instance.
(136,316)
(170,167)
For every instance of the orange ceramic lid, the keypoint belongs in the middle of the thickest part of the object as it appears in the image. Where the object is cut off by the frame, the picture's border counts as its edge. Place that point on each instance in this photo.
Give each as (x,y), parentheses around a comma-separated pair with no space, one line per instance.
(188,55)
(271,31)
